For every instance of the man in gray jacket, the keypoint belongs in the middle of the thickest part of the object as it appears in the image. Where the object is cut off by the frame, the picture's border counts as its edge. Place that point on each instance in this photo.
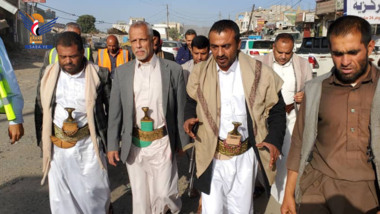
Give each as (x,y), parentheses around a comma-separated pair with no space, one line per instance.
(333,153)
(146,114)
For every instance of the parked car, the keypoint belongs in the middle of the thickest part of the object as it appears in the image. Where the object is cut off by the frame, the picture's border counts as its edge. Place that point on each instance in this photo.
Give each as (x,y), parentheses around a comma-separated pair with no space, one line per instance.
(101,44)
(246,45)
(316,51)
(261,47)
(171,47)
(256,47)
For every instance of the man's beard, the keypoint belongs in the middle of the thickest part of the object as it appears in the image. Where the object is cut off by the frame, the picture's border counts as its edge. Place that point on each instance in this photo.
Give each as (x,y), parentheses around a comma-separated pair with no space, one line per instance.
(349,79)
(144,56)
(75,69)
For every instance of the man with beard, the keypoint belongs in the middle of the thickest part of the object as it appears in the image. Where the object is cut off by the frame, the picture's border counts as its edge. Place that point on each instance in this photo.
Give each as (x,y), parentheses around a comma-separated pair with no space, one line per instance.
(237,104)
(200,50)
(71,123)
(51,56)
(158,45)
(112,56)
(294,71)
(184,53)
(146,114)
(333,154)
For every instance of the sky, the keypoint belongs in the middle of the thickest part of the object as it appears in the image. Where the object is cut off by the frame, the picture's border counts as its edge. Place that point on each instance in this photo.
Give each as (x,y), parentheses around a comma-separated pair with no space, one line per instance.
(187,12)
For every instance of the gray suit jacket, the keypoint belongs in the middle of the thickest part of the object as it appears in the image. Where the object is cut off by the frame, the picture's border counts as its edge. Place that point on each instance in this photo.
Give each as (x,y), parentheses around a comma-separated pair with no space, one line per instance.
(121,112)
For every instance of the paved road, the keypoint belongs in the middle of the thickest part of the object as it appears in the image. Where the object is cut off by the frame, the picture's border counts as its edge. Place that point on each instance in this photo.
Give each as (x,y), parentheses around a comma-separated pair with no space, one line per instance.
(20,169)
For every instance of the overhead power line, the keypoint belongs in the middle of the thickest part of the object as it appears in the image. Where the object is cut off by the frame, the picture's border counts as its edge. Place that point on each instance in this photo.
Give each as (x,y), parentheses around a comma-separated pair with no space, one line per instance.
(60,17)
(72,14)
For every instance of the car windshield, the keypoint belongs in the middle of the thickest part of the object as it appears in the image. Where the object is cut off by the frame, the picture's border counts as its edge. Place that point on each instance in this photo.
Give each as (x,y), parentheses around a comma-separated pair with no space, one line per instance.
(296,36)
(325,43)
(262,45)
(169,44)
(308,43)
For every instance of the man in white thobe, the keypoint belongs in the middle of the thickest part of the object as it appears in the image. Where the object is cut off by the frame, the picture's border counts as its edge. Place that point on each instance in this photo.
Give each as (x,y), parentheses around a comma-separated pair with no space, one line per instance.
(294,71)
(73,155)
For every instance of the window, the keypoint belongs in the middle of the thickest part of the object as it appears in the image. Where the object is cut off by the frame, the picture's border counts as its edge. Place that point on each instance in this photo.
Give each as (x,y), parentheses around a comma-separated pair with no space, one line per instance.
(325,43)
(169,44)
(263,45)
(243,43)
(316,43)
(308,43)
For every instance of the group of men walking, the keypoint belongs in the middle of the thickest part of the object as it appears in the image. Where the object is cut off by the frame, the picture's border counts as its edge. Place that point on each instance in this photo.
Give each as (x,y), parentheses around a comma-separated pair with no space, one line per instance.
(238,111)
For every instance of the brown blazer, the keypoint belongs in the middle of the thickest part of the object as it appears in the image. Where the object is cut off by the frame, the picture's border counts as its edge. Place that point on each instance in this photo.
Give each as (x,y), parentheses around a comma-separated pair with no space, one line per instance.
(261,87)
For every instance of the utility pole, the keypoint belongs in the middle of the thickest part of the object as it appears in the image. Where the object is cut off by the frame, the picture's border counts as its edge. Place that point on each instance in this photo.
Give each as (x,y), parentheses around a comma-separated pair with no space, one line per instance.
(220,15)
(167,21)
(250,19)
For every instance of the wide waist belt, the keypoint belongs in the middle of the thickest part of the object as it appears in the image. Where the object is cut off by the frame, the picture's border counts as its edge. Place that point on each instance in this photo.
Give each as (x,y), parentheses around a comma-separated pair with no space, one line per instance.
(289,108)
(232,150)
(142,138)
(61,140)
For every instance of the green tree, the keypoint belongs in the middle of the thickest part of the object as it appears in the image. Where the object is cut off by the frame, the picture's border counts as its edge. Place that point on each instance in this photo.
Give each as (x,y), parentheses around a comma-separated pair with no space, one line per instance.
(173,33)
(87,23)
(116,31)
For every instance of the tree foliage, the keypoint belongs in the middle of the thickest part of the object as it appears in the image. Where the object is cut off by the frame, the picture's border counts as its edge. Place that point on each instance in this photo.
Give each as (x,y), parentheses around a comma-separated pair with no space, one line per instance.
(87,23)
(173,33)
(116,31)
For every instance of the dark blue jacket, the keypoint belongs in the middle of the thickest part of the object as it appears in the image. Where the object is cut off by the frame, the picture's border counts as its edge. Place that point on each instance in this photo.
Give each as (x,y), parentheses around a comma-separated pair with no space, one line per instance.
(183,55)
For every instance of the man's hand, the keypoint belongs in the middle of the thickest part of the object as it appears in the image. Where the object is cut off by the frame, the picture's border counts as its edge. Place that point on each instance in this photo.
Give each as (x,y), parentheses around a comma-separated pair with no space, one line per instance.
(181,153)
(188,126)
(15,132)
(289,204)
(274,153)
(112,156)
(298,97)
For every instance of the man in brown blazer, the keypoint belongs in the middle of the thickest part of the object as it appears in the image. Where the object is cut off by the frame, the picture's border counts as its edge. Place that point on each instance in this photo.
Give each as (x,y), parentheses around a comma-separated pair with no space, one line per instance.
(229,89)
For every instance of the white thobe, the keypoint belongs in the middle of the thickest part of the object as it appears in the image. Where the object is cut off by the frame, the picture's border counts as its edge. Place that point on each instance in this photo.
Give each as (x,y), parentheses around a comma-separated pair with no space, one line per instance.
(152,170)
(286,72)
(77,182)
(232,180)
(288,90)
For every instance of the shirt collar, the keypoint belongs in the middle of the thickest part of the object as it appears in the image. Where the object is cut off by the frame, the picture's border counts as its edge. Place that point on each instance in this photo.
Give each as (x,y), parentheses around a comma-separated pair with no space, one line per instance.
(284,65)
(231,69)
(76,76)
(369,78)
(153,62)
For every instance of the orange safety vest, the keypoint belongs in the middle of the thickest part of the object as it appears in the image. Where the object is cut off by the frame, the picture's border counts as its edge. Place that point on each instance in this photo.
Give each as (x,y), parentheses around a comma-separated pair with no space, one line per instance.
(104,58)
